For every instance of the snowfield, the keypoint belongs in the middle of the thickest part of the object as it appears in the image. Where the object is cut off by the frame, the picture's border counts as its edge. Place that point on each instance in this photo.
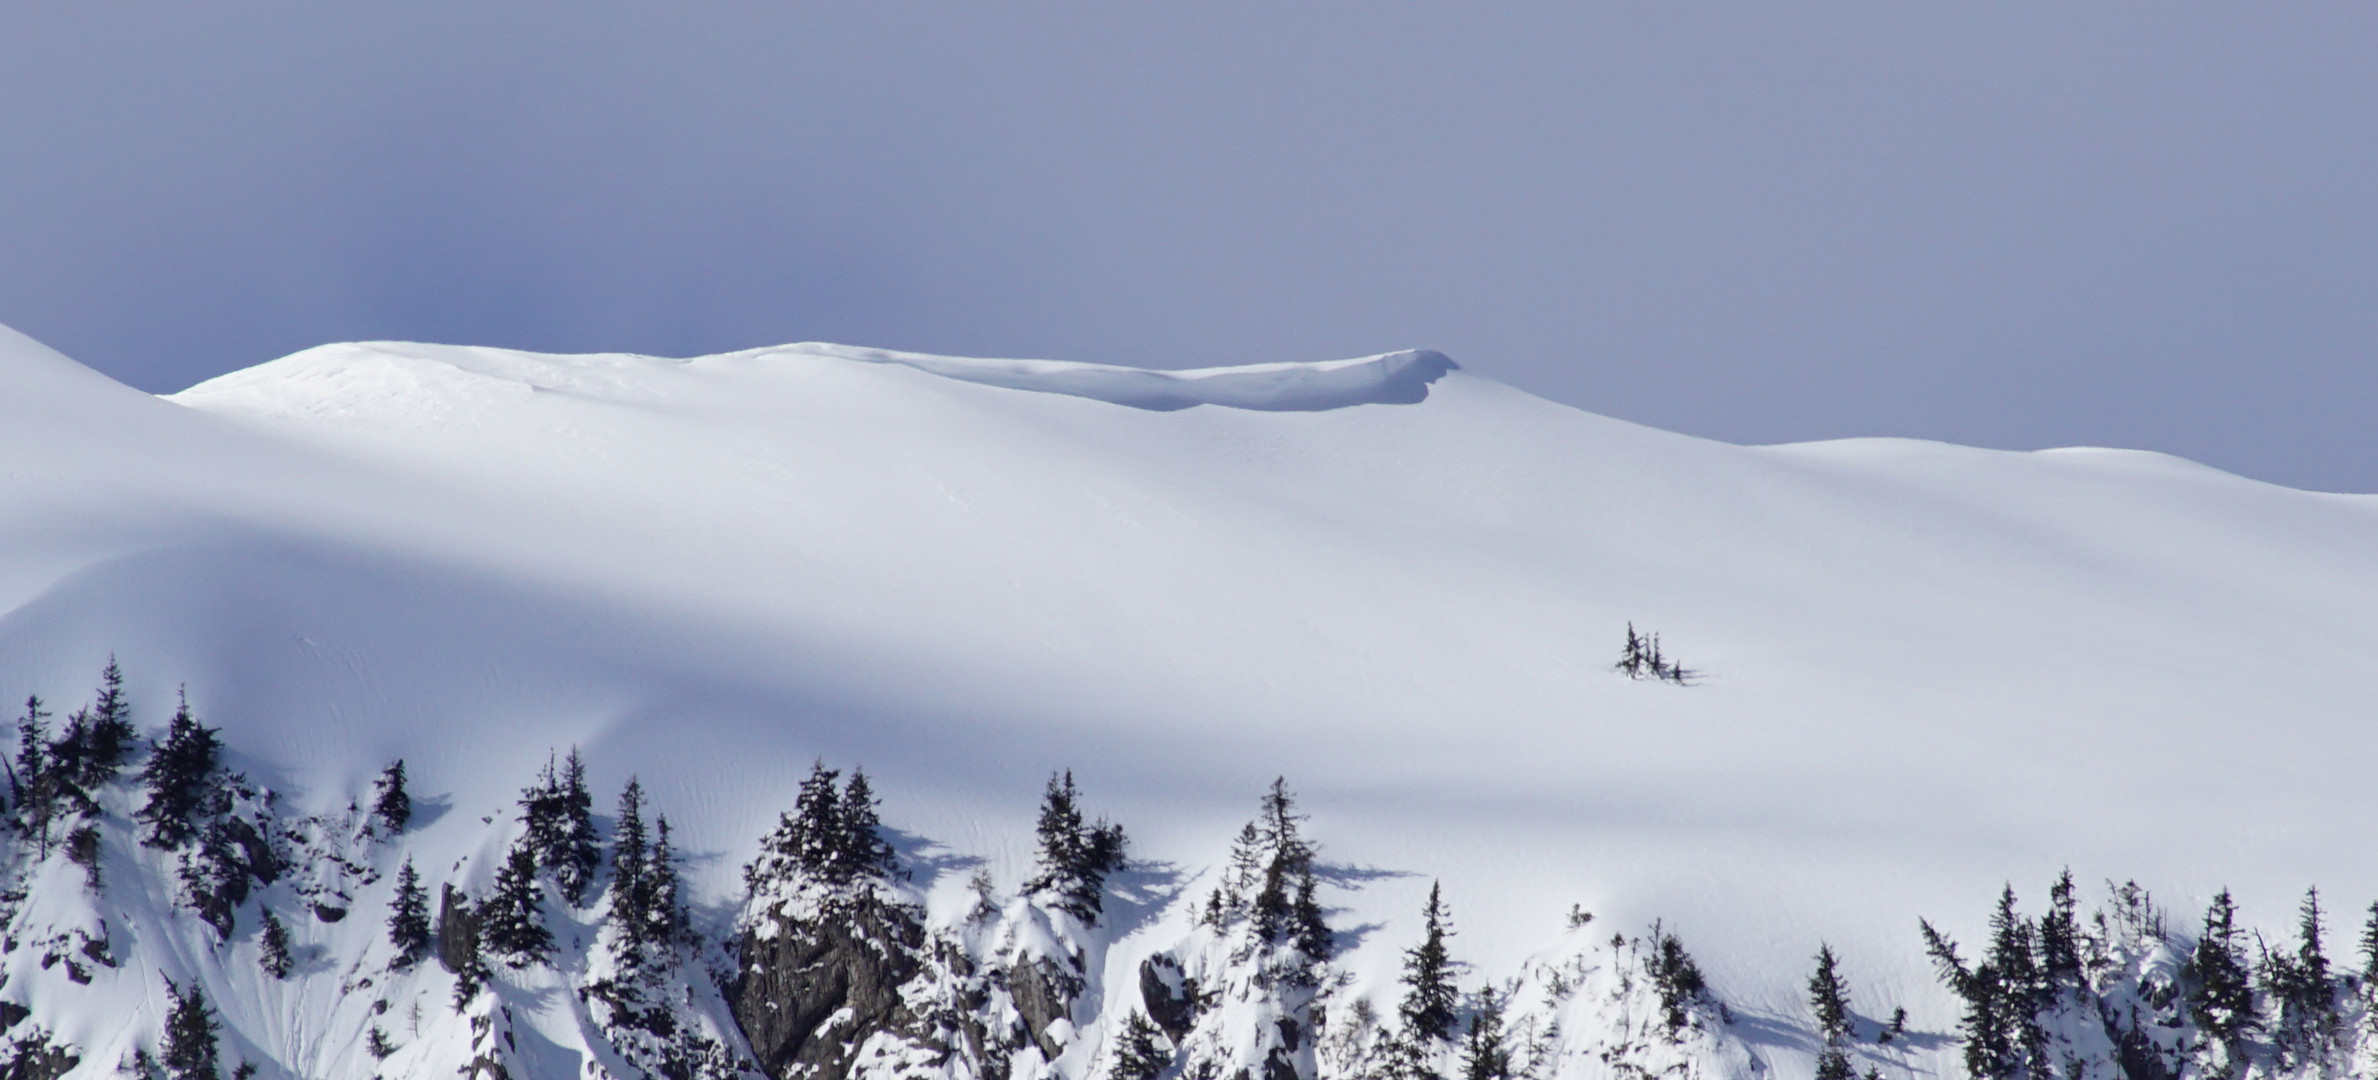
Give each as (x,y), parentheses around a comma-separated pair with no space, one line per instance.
(1925,670)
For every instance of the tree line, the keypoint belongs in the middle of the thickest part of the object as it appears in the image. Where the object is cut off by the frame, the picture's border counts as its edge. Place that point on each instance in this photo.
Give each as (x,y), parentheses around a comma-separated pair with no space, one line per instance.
(2233,1001)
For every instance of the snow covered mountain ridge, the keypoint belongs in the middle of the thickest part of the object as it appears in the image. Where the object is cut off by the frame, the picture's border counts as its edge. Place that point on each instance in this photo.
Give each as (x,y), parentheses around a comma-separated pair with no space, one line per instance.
(333,379)
(1923,671)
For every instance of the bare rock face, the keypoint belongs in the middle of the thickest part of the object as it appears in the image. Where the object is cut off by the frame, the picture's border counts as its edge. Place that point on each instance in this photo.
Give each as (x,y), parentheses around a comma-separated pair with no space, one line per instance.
(810,993)
(1170,995)
(1043,995)
(457,932)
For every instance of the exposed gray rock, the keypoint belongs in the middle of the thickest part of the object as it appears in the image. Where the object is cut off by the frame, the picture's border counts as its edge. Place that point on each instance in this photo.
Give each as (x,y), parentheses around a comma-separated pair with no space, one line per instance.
(457,932)
(1043,995)
(1170,995)
(790,982)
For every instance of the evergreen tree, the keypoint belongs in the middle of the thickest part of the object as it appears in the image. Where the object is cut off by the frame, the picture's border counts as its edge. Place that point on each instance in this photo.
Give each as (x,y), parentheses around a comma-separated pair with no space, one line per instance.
(1140,1053)
(666,919)
(1676,977)
(630,909)
(111,734)
(408,921)
(1240,877)
(2303,988)
(1989,1048)
(805,841)
(179,779)
(1429,993)
(2020,991)
(33,740)
(2369,948)
(29,782)
(1060,827)
(1636,656)
(541,816)
(2311,960)
(645,903)
(1075,856)
(68,755)
(1834,1064)
(275,940)
(512,921)
(392,805)
(577,853)
(863,851)
(2222,1000)
(1829,998)
(1484,1055)
(217,873)
(1307,929)
(832,837)
(467,983)
(1287,861)
(82,849)
(191,1031)
(817,811)
(2060,936)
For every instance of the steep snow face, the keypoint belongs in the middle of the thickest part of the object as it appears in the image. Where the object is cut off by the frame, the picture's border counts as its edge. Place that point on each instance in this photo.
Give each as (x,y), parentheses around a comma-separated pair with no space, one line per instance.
(1925,670)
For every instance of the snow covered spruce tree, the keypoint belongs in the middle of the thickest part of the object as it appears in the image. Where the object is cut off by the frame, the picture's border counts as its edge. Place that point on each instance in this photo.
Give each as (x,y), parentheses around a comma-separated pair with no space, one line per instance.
(2223,996)
(1429,1008)
(105,735)
(666,920)
(512,920)
(57,780)
(1676,976)
(2003,1036)
(644,918)
(274,941)
(2060,939)
(1258,958)
(2304,993)
(1829,997)
(1075,856)
(192,1036)
(179,775)
(559,814)
(1269,882)
(1829,1003)
(408,918)
(33,783)
(392,805)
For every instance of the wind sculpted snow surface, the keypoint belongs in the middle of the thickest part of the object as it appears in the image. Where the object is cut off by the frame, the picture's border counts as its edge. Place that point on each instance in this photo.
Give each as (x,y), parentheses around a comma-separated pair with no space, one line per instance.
(1924,670)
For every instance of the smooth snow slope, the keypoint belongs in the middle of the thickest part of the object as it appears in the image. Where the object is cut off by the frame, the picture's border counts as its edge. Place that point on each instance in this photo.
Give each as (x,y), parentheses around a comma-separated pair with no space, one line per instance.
(1929,669)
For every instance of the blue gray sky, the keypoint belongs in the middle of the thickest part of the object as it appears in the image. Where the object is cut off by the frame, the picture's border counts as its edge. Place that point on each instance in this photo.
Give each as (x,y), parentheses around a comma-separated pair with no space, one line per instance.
(2007,224)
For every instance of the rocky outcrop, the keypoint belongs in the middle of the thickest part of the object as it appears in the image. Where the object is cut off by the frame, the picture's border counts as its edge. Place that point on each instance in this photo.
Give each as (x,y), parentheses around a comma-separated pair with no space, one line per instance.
(811,992)
(1043,995)
(1169,995)
(31,1055)
(457,932)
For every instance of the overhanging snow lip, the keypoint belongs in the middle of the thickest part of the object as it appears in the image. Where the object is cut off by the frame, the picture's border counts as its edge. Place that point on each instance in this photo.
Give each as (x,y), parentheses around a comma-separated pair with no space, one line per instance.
(1395,378)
